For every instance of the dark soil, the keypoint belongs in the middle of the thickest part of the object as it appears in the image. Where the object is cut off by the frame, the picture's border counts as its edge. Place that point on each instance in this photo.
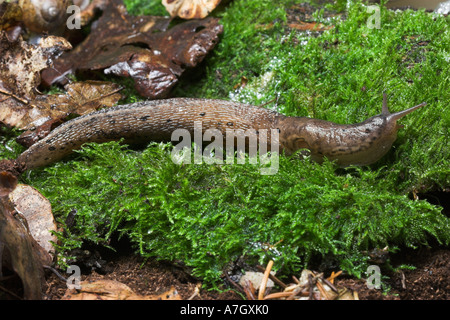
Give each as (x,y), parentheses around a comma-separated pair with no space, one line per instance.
(430,280)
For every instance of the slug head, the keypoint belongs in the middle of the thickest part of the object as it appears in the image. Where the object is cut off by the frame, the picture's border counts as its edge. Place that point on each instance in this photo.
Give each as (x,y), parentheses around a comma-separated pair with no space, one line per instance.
(392,118)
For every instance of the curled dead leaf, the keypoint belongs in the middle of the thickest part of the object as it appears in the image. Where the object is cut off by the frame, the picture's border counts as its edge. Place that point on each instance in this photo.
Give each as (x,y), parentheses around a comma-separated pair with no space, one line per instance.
(22,62)
(44,110)
(190,9)
(20,252)
(37,211)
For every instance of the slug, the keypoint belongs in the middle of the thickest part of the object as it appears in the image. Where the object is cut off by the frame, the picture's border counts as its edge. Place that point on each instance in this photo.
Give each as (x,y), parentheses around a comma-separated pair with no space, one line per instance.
(356,144)
(45,15)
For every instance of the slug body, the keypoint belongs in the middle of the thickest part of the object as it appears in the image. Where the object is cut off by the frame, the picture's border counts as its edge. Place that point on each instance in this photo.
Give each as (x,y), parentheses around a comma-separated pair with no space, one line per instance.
(357,144)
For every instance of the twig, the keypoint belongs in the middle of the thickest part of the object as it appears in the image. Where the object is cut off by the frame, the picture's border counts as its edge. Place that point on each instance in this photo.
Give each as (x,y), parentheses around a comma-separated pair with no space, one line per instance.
(333,276)
(56,273)
(273,278)
(10,292)
(322,290)
(196,292)
(237,286)
(14,96)
(311,287)
(263,285)
(403,279)
(279,295)
(328,283)
(249,290)
(270,101)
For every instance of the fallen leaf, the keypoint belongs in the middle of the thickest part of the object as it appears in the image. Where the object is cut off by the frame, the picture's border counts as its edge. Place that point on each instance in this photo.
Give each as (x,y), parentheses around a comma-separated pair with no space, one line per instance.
(138,47)
(21,252)
(37,211)
(113,290)
(80,98)
(20,67)
(22,62)
(190,9)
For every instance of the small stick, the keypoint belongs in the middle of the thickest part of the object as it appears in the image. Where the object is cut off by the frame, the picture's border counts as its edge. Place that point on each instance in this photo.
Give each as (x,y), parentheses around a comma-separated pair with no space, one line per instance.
(249,290)
(279,295)
(14,96)
(237,286)
(322,290)
(263,285)
(328,283)
(56,273)
(311,287)
(333,276)
(273,278)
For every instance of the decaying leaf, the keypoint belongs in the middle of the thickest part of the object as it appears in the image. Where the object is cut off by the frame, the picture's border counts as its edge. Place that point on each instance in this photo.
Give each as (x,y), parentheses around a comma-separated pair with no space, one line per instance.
(20,251)
(20,67)
(80,98)
(142,48)
(22,62)
(113,290)
(190,9)
(37,211)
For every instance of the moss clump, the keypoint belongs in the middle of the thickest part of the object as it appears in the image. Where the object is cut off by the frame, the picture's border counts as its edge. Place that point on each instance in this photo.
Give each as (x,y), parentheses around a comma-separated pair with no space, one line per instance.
(210,215)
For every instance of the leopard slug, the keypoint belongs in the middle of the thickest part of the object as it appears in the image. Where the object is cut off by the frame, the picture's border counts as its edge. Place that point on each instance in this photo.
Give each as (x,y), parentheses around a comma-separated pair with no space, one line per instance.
(356,144)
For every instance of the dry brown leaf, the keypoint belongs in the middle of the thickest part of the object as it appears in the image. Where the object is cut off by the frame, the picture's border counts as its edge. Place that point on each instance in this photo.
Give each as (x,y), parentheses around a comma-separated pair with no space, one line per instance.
(22,62)
(190,9)
(138,47)
(80,98)
(20,67)
(37,211)
(21,252)
(113,290)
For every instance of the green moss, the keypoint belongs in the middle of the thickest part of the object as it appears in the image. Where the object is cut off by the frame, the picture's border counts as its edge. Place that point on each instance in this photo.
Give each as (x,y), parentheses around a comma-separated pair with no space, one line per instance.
(207,216)
(148,7)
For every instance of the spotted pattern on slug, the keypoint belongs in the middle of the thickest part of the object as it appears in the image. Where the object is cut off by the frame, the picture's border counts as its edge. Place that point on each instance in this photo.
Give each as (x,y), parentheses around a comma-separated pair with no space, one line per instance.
(355,144)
